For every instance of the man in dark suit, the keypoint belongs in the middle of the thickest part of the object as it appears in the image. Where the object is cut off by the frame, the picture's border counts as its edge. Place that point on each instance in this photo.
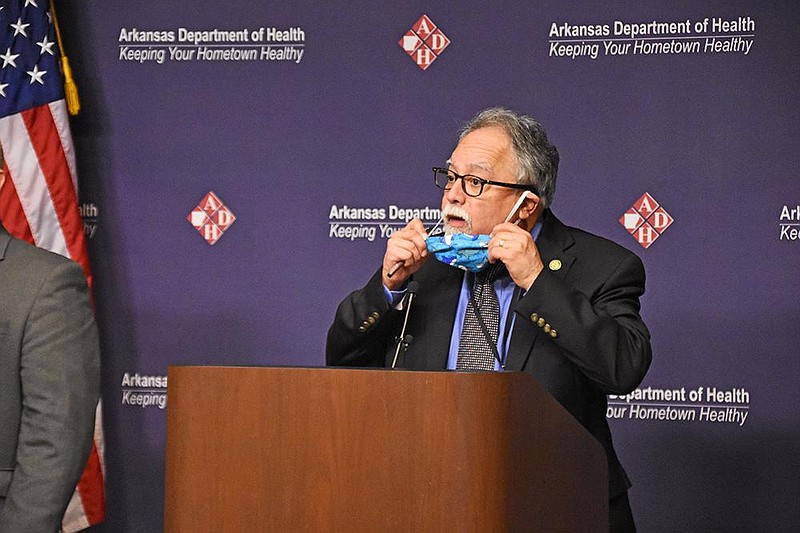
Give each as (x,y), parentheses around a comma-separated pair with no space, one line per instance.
(566,302)
(49,384)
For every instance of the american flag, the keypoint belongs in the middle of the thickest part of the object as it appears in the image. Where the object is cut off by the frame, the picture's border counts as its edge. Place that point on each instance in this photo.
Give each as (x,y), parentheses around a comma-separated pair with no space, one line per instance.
(39,201)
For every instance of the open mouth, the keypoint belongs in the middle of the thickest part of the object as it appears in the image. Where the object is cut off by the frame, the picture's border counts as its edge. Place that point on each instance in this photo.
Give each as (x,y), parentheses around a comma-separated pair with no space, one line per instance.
(456,224)
(454,220)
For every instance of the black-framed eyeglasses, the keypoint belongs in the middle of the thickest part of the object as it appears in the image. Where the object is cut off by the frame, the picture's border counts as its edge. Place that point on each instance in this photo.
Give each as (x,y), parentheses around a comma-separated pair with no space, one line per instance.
(445,179)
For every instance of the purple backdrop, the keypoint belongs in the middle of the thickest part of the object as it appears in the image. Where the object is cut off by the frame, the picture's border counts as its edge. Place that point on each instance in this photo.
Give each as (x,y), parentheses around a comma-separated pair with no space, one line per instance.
(710,133)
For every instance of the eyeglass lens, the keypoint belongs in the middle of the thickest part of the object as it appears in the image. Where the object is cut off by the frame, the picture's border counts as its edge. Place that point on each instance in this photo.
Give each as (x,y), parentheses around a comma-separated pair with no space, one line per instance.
(445,179)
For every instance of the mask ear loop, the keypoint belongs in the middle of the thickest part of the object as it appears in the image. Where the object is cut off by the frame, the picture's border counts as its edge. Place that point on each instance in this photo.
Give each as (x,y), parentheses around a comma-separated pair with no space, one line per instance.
(430,231)
(517,205)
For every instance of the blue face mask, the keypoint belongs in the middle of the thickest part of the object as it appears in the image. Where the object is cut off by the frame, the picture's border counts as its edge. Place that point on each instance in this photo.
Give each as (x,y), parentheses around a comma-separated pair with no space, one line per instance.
(460,250)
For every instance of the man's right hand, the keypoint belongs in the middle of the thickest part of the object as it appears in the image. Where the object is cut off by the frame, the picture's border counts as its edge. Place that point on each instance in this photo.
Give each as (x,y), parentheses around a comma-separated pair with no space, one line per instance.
(405,253)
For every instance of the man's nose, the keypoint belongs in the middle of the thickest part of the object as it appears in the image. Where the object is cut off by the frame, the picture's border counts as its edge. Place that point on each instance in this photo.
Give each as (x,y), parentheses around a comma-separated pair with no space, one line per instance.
(455,195)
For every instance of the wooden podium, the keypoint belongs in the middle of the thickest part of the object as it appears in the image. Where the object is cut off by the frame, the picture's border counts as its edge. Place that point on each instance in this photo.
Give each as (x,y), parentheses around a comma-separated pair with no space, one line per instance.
(345,450)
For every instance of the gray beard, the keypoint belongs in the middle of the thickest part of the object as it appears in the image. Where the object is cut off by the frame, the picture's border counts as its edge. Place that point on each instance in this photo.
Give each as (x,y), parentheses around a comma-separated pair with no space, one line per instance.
(450,230)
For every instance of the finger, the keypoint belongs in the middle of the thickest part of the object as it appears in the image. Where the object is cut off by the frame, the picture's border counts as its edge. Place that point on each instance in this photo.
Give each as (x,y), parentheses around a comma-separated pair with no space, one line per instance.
(502,228)
(503,242)
(408,250)
(417,227)
(508,228)
(413,234)
(498,250)
(397,253)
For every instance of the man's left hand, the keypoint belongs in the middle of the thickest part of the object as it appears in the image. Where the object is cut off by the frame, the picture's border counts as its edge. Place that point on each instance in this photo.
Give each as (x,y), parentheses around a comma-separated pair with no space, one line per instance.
(514,246)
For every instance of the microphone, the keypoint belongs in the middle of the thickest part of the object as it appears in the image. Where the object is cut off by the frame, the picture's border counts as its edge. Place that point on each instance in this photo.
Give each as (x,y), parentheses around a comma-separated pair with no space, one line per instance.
(407,340)
(404,340)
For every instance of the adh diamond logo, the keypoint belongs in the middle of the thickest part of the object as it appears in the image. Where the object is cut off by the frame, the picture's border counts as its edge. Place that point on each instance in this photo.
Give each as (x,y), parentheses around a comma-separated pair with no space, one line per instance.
(424,42)
(211,218)
(646,220)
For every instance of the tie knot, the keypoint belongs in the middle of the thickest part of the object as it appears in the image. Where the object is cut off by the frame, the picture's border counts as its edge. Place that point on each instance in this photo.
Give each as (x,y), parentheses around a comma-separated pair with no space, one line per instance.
(491,274)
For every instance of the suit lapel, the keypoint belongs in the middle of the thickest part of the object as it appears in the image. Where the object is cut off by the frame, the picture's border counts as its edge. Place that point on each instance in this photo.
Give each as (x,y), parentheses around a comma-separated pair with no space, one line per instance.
(554,244)
(434,316)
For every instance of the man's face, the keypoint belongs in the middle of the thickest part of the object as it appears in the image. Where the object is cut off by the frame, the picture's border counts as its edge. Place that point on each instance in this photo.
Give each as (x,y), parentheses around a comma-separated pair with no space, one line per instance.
(486,153)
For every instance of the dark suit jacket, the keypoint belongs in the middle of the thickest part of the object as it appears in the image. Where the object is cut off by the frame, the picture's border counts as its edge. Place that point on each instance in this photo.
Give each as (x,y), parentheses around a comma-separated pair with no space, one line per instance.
(577,330)
(49,384)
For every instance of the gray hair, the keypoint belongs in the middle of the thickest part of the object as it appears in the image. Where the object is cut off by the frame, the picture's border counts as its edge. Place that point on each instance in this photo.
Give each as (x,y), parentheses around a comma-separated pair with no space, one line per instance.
(537,159)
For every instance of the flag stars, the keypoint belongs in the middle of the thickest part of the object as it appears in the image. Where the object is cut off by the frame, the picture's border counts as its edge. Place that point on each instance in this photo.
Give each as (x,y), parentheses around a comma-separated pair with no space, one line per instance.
(3,89)
(36,75)
(9,58)
(30,3)
(19,27)
(46,46)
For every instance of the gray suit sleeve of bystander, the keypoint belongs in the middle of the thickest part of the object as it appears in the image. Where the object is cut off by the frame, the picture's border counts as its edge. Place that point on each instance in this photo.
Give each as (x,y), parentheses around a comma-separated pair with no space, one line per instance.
(60,385)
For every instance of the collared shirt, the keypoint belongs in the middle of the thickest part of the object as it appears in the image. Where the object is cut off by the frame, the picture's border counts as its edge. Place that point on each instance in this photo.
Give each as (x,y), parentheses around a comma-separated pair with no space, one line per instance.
(505,289)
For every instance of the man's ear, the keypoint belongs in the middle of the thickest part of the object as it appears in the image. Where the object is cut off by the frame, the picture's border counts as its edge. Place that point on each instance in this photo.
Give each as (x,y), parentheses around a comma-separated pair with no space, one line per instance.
(529,206)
